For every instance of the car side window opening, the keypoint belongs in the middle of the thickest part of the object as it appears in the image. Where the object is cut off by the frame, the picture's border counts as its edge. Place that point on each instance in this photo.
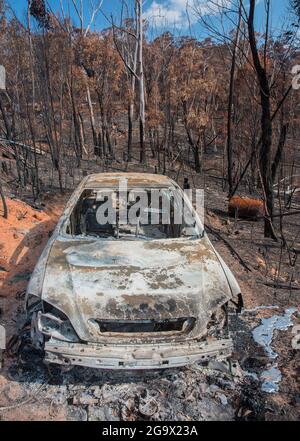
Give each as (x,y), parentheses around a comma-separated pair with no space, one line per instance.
(84,221)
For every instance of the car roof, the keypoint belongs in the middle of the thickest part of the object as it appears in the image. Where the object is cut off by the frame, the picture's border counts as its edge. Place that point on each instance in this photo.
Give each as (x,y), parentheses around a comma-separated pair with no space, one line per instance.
(133,180)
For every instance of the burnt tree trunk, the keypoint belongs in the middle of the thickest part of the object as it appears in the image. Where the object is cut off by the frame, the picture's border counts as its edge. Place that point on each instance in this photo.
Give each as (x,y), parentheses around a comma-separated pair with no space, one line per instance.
(142,117)
(266,126)
(92,117)
(279,150)
(130,129)
(230,105)
(5,209)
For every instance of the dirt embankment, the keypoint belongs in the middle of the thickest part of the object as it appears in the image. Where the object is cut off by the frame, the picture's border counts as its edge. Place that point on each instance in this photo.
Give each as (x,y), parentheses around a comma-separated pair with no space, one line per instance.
(22,237)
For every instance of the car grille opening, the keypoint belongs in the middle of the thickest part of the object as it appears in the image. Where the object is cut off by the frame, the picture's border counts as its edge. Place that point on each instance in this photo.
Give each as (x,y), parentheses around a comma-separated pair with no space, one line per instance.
(174,325)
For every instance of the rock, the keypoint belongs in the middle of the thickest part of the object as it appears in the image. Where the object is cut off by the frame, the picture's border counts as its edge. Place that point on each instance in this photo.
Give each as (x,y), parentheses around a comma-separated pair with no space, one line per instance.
(223,399)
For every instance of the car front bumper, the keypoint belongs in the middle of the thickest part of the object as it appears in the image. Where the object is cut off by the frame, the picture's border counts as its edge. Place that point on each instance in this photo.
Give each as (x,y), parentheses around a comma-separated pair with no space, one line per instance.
(135,357)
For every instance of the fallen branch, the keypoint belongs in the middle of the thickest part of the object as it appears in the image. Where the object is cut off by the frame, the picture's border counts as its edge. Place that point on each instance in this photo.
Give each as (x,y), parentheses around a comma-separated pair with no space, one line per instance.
(33,397)
(280,285)
(23,146)
(233,251)
(13,406)
(290,213)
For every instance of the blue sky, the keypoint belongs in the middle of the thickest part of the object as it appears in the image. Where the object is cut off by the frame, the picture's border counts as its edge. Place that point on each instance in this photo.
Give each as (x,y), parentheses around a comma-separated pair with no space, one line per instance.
(168,14)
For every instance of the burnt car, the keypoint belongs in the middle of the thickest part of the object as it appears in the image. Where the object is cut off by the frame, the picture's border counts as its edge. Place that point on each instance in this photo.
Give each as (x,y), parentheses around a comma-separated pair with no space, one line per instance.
(131,294)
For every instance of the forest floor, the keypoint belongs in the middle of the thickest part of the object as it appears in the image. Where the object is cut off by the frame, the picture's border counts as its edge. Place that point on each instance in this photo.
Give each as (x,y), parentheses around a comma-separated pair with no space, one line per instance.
(29,390)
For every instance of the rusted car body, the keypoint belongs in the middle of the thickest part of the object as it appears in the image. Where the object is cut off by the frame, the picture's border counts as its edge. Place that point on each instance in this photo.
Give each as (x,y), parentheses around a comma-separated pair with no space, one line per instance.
(132,301)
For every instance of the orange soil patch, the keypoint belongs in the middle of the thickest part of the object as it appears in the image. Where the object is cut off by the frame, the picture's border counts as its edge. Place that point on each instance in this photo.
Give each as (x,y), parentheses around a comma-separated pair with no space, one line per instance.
(22,238)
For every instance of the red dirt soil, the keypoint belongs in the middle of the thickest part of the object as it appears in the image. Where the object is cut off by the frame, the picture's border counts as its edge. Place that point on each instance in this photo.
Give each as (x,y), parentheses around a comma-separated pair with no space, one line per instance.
(22,238)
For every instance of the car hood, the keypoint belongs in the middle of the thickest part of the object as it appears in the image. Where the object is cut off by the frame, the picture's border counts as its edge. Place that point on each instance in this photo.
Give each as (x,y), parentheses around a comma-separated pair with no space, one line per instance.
(134,280)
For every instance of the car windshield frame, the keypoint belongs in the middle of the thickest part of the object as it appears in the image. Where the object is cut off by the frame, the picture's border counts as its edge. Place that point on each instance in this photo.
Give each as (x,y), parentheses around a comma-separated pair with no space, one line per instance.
(198,225)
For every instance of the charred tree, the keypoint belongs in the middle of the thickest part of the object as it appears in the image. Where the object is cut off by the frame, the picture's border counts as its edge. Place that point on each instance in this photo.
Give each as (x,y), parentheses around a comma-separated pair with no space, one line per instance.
(5,209)
(265,160)
(230,104)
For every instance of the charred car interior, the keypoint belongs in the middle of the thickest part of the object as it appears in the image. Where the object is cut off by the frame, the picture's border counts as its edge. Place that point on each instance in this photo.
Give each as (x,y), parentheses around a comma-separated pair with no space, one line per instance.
(83,219)
(134,294)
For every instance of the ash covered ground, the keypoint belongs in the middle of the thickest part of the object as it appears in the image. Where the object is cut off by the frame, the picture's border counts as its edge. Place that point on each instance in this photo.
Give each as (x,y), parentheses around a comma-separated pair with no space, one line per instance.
(29,390)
